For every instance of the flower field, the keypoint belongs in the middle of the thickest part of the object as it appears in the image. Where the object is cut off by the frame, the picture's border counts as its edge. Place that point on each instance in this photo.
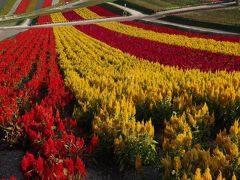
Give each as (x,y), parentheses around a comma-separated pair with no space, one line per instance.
(22,6)
(28,5)
(47,3)
(145,94)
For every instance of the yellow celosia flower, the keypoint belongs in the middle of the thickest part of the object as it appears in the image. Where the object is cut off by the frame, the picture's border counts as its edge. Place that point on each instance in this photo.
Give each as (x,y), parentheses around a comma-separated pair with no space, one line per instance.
(116,142)
(219,177)
(232,149)
(235,129)
(197,175)
(207,175)
(234,177)
(184,177)
(177,163)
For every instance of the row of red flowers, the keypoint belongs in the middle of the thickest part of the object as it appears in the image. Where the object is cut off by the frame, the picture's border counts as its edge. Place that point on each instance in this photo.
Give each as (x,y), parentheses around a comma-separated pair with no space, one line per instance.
(161,29)
(22,7)
(158,52)
(33,99)
(102,11)
(44,19)
(46,3)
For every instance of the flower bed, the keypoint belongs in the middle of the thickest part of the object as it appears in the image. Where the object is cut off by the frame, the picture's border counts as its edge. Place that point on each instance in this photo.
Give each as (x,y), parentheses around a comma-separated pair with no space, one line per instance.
(161,29)
(130,102)
(47,3)
(158,52)
(22,7)
(33,102)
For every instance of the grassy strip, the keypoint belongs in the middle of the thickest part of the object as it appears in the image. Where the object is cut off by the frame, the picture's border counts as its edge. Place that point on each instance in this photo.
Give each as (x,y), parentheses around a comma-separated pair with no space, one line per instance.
(227,16)
(49,10)
(7,7)
(149,6)
(113,9)
(135,6)
(181,20)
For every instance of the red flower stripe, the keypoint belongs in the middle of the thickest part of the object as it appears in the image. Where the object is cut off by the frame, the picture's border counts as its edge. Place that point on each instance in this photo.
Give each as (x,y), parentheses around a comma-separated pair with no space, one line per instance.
(22,7)
(157,52)
(44,19)
(47,3)
(161,29)
(50,148)
(102,11)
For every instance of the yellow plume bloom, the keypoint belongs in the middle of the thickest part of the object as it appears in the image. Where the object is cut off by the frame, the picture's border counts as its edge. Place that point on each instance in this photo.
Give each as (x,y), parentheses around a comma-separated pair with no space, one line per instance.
(207,175)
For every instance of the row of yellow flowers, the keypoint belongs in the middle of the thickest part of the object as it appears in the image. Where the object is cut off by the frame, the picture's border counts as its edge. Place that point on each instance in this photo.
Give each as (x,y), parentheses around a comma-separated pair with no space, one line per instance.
(183,155)
(224,47)
(118,91)
(83,60)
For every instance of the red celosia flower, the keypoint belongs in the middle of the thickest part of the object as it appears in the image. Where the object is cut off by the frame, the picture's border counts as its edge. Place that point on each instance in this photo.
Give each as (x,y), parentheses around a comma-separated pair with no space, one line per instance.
(60,126)
(27,162)
(68,163)
(12,178)
(79,142)
(57,169)
(80,167)
(73,123)
(49,147)
(39,164)
(94,140)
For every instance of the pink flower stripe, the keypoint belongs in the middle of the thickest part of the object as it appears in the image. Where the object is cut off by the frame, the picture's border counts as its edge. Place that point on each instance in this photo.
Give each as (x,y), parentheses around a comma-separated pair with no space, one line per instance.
(182,57)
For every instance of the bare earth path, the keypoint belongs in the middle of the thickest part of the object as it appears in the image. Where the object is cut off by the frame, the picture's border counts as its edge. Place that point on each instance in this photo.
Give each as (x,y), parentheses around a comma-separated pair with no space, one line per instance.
(5,34)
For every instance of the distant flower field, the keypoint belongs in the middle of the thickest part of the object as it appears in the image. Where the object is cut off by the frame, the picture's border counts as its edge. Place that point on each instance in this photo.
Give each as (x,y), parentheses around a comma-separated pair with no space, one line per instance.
(150,94)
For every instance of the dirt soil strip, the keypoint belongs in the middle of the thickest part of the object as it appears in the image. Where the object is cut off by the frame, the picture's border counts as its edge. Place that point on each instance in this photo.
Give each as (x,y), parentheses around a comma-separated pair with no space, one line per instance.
(10,164)
(5,34)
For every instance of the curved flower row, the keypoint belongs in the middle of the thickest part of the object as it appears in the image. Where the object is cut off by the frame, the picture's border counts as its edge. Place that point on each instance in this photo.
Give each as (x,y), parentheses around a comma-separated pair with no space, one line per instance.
(44,19)
(116,91)
(231,48)
(161,29)
(102,11)
(157,52)
(114,112)
(22,7)
(32,106)
(47,3)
